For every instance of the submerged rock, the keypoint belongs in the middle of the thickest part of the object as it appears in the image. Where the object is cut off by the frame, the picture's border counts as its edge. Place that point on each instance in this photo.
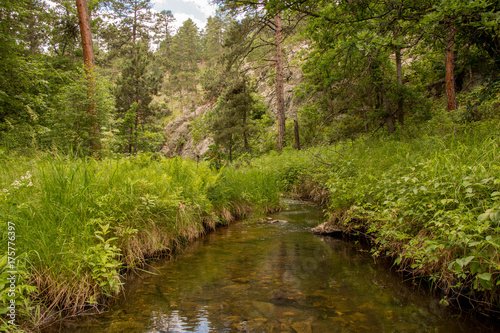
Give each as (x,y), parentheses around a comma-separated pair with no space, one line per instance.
(302,327)
(271,220)
(327,229)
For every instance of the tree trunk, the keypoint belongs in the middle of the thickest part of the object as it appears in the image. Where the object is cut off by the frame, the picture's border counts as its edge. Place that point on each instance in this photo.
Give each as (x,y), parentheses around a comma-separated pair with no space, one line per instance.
(89,62)
(296,133)
(389,113)
(389,121)
(134,32)
(136,127)
(130,141)
(279,84)
(245,134)
(399,73)
(450,75)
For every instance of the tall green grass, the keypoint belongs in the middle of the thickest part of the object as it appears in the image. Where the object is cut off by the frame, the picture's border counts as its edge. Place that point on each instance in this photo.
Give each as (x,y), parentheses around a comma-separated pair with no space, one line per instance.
(82,222)
(432,203)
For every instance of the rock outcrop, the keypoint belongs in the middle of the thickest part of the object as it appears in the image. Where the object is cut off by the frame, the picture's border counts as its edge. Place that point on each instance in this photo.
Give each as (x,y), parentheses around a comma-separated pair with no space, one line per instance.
(180,141)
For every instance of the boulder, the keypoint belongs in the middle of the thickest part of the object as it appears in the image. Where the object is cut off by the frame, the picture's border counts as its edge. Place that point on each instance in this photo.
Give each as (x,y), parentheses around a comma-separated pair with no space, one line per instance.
(327,229)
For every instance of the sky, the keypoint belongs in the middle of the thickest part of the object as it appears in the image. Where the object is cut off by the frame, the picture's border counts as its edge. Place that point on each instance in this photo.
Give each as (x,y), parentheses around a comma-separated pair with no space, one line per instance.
(197,10)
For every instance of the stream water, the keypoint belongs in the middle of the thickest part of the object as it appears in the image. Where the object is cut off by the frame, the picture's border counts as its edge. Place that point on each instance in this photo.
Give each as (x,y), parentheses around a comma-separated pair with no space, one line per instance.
(261,277)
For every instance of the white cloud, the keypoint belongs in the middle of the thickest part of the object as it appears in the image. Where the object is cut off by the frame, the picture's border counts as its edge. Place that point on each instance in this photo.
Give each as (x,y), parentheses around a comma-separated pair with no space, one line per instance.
(50,3)
(181,17)
(204,5)
(197,10)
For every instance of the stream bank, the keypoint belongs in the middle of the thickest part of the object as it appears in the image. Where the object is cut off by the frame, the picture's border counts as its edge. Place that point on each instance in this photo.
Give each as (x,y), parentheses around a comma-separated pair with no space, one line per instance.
(254,276)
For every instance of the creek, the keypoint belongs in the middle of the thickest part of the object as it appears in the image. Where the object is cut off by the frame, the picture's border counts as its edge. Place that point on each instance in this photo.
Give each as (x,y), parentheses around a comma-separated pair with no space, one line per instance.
(254,276)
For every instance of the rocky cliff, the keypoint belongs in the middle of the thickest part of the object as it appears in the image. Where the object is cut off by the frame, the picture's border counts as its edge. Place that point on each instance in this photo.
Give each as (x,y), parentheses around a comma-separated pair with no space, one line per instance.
(180,141)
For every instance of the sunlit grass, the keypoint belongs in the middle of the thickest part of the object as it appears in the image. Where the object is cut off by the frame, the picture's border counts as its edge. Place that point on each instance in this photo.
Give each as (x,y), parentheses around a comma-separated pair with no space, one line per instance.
(82,222)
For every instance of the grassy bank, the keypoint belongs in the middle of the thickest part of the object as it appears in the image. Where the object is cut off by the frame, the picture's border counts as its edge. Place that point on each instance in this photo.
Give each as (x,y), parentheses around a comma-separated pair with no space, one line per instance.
(431,203)
(78,224)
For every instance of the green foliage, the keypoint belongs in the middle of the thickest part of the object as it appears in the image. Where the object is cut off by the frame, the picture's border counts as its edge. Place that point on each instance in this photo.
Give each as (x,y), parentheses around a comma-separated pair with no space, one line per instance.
(186,52)
(213,82)
(95,218)
(132,22)
(482,103)
(230,122)
(68,124)
(102,260)
(215,157)
(213,37)
(134,93)
(431,202)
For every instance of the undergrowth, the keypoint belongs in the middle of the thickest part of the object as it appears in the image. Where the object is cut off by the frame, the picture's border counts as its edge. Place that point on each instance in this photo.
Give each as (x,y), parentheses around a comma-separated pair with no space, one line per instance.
(80,223)
(431,203)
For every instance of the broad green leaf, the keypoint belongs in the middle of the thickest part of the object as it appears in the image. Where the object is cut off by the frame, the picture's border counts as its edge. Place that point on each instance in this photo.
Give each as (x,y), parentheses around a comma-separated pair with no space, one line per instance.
(484,216)
(495,217)
(484,276)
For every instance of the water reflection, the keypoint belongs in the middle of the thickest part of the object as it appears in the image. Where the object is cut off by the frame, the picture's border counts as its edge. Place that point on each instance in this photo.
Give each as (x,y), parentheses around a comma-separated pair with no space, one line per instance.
(259,277)
(175,322)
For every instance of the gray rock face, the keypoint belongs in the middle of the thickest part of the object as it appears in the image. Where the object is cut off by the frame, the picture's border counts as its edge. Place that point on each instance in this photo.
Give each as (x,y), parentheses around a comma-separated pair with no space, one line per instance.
(180,141)
(179,135)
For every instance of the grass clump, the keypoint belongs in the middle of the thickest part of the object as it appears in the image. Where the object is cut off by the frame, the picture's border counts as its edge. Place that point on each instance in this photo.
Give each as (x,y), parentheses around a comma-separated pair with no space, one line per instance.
(80,223)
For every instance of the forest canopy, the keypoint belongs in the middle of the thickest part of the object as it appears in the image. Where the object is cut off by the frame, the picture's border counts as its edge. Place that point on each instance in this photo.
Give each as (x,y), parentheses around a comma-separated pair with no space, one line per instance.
(365,67)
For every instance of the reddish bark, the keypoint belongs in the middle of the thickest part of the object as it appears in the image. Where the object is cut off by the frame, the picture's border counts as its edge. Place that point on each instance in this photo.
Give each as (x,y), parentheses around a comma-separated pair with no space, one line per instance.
(399,73)
(87,45)
(450,75)
(89,62)
(279,84)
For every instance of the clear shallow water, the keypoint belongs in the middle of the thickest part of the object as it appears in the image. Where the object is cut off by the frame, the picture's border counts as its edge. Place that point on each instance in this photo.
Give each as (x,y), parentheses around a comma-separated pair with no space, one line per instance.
(260,277)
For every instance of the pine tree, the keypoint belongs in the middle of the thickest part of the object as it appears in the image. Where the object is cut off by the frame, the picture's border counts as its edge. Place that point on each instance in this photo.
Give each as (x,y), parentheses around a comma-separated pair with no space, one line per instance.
(163,29)
(135,88)
(231,120)
(213,37)
(186,53)
(134,18)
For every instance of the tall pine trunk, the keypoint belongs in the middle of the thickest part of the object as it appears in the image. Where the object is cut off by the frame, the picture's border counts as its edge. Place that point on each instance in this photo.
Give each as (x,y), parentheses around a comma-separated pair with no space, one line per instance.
(245,134)
(450,72)
(399,75)
(296,133)
(399,72)
(279,84)
(89,62)
(387,105)
(136,128)
(134,32)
